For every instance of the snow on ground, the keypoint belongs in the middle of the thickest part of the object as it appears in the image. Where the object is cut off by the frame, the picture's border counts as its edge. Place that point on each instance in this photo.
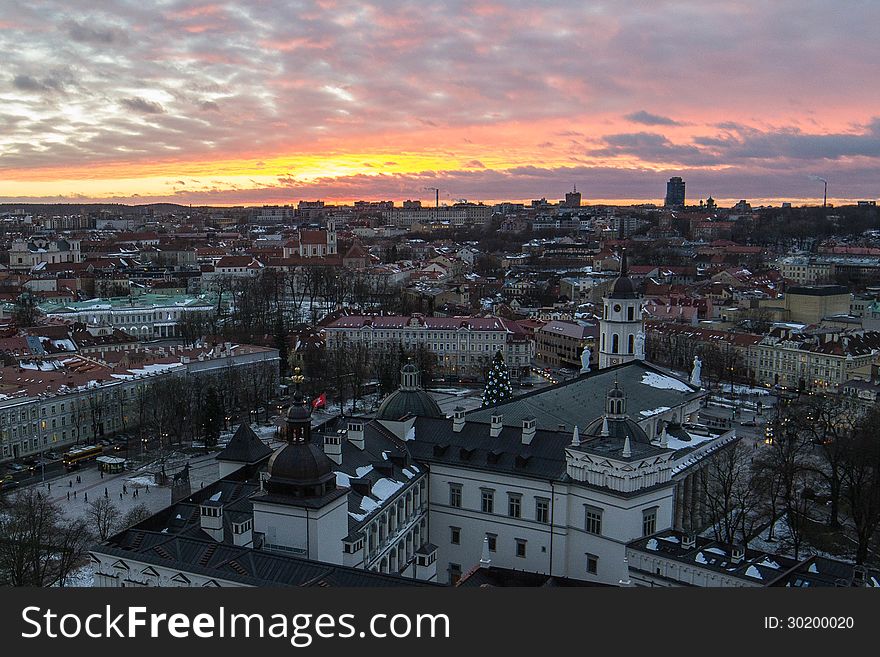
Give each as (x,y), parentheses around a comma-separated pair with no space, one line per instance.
(654,411)
(458,392)
(141,480)
(664,382)
(744,390)
(82,577)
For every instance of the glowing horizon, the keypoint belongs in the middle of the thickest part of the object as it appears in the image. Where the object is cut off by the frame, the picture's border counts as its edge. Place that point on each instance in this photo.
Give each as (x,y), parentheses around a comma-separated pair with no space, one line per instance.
(232,103)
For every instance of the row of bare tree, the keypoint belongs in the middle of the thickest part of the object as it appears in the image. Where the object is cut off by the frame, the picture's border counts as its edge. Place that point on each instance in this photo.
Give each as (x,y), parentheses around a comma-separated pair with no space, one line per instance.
(820,470)
(40,547)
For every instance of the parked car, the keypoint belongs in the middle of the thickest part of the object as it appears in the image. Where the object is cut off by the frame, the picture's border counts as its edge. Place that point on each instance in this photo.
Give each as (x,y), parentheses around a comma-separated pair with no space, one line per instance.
(16,467)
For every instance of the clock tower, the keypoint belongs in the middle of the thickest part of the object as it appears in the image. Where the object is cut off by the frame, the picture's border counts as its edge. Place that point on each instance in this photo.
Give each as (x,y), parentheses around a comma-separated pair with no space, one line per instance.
(621,330)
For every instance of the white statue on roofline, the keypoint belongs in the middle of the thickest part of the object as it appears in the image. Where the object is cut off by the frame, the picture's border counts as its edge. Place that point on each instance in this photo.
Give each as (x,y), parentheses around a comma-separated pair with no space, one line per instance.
(586,355)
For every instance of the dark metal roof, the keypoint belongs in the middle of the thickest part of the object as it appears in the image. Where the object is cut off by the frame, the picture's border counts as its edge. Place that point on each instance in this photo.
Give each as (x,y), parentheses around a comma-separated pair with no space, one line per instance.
(244,447)
(581,400)
(239,564)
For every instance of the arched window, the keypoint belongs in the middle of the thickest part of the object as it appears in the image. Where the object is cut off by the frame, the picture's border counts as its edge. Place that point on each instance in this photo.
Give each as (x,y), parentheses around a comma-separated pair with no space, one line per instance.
(630,348)
(615,344)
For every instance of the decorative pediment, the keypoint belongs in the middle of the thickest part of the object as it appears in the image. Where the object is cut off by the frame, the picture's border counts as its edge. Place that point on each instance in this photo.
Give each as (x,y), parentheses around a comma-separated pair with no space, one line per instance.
(180,578)
(149,571)
(121,565)
(211,583)
(628,468)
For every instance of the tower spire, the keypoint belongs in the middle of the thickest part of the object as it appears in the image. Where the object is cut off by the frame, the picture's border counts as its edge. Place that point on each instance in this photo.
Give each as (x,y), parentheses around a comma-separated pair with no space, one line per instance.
(627,449)
(576,437)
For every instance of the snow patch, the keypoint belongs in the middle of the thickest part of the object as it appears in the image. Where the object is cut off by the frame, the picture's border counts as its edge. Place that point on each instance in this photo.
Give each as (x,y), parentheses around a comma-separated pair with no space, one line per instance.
(769,563)
(813,569)
(411,434)
(751,571)
(654,411)
(663,382)
(700,558)
(652,544)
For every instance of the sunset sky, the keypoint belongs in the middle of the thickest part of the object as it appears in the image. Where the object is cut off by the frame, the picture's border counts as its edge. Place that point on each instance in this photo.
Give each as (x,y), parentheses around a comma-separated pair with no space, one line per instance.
(272,101)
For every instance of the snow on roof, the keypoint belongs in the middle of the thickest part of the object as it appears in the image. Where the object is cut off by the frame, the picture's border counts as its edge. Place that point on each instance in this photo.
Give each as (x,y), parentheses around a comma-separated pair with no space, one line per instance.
(652,544)
(700,558)
(751,571)
(216,496)
(411,434)
(654,411)
(663,382)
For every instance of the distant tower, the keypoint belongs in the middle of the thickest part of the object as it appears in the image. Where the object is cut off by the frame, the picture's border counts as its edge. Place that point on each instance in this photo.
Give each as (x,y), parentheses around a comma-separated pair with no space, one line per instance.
(573,198)
(621,321)
(331,237)
(674,193)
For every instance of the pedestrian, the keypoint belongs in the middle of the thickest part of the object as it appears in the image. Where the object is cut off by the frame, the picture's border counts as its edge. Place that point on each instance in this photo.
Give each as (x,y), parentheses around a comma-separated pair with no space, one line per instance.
(106,494)
(120,496)
(68,496)
(49,485)
(86,496)
(102,474)
(124,489)
(74,494)
(148,490)
(70,484)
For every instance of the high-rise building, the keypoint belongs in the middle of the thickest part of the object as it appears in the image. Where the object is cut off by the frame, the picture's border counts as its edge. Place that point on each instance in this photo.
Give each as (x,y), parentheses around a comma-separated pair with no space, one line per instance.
(573,198)
(674,193)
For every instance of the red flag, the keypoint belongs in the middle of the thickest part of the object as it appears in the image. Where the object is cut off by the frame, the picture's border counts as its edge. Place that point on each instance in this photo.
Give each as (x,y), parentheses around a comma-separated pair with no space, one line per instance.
(320,401)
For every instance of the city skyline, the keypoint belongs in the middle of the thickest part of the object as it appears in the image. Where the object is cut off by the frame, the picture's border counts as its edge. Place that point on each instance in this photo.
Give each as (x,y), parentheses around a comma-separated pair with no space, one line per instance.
(230,104)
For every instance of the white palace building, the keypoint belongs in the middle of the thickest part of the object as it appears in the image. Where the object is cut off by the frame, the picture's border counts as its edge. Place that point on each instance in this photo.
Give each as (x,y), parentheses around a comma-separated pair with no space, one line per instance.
(556,482)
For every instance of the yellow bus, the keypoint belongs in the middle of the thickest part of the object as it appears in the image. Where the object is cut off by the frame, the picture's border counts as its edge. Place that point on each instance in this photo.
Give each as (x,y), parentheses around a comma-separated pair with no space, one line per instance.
(72,458)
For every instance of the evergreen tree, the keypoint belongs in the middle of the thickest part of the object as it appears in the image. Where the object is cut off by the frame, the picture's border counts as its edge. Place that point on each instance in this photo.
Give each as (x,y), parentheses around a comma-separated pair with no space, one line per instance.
(498,388)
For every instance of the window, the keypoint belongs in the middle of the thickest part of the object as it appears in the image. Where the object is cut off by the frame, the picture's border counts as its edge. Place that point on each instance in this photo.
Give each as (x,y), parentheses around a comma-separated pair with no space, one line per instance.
(492,540)
(514,505)
(487,501)
(455,535)
(542,510)
(649,521)
(630,313)
(520,548)
(615,343)
(594,520)
(592,564)
(454,573)
(455,495)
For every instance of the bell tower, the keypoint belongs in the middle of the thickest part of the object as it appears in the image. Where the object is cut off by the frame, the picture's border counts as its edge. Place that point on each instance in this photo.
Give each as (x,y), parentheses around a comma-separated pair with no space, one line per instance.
(621,329)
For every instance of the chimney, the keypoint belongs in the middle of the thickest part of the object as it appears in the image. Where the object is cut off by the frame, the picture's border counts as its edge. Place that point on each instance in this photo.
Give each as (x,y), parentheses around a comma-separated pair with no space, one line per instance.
(688,541)
(495,427)
(211,519)
(529,426)
(333,446)
(860,576)
(355,433)
(737,553)
(458,419)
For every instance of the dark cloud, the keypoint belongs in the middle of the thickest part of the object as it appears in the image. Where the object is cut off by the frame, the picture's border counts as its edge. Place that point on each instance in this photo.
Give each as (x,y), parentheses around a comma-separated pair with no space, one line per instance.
(646,118)
(93,34)
(474,164)
(29,83)
(142,105)
(653,147)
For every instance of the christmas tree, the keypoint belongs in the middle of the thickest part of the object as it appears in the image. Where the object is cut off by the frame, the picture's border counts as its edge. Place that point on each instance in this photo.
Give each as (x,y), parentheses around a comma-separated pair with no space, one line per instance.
(498,388)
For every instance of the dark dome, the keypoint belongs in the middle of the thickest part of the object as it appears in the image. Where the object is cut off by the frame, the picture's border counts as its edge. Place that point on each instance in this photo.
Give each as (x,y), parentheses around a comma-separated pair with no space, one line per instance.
(623,289)
(408,402)
(616,393)
(409,367)
(298,465)
(298,412)
(618,428)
